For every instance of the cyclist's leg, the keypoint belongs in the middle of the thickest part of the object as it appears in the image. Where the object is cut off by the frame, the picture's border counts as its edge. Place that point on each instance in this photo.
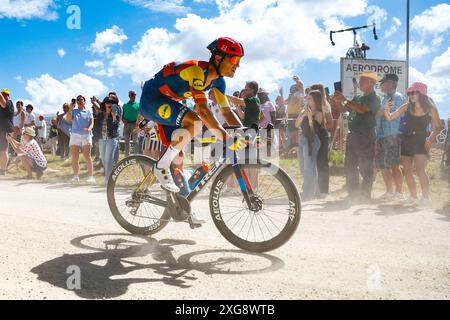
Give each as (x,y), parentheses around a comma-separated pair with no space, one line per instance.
(168,112)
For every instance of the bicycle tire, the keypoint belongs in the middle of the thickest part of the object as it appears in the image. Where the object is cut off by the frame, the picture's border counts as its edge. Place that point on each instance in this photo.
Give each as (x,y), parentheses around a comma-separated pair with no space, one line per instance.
(142,161)
(293,215)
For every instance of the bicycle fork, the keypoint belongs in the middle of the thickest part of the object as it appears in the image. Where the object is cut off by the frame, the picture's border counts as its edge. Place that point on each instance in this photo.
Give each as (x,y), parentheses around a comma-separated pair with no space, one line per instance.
(244,184)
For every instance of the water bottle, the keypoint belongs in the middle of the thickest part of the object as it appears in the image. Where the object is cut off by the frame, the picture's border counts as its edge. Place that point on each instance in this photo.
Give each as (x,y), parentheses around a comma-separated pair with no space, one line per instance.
(181,182)
(198,175)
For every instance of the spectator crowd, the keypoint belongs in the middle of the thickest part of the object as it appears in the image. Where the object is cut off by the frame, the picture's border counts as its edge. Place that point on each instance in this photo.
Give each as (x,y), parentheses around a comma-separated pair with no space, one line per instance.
(390,133)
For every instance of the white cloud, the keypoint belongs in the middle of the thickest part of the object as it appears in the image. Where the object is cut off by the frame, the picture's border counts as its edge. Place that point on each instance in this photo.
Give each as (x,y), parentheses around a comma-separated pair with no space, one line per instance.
(396,23)
(166,6)
(61,52)
(416,50)
(436,78)
(49,94)
(28,9)
(433,21)
(289,32)
(97,67)
(105,39)
(18,78)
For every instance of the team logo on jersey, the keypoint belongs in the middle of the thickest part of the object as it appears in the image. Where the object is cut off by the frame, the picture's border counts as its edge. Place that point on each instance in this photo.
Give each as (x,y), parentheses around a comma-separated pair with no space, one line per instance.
(187,95)
(198,84)
(195,76)
(165,111)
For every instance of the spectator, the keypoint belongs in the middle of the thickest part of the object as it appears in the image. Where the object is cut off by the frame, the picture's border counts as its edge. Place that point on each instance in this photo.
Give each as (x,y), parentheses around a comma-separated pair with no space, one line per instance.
(41,128)
(6,127)
(19,120)
(360,148)
(64,129)
(30,118)
(250,102)
(129,117)
(81,137)
(323,169)
(30,154)
(152,145)
(215,108)
(109,136)
(118,111)
(281,119)
(267,108)
(295,104)
(310,120)
(96,133)
(53,137)
(387,147)
(416,139)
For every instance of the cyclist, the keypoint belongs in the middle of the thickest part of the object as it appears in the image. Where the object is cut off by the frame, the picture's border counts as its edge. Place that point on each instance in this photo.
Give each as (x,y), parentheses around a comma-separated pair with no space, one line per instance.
(162,95)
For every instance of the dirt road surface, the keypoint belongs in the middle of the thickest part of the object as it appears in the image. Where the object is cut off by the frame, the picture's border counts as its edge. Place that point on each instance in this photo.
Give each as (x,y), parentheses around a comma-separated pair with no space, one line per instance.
(53,233)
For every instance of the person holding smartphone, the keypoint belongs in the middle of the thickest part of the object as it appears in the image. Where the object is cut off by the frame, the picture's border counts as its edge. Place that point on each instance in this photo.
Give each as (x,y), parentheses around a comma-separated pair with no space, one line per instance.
(360,147)
(82,123)
(109,135)
(387,146)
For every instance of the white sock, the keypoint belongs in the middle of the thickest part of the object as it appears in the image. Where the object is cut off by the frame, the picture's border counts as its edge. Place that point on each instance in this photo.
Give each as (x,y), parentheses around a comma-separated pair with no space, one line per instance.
(167,158)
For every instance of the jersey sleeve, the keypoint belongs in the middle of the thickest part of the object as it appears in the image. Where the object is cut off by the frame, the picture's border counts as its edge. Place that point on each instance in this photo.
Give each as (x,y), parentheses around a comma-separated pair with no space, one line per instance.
(218,88)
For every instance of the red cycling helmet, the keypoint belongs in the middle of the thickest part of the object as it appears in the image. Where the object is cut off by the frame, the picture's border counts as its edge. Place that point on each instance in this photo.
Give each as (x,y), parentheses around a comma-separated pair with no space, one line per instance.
(226,46)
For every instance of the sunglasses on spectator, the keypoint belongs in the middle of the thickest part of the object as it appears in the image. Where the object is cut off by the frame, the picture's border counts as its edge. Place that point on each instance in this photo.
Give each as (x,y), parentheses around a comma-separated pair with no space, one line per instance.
(80,99)
(235,60)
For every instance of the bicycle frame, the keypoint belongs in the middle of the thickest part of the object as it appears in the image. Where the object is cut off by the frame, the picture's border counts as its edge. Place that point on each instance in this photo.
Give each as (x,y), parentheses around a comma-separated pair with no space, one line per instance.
(216,167)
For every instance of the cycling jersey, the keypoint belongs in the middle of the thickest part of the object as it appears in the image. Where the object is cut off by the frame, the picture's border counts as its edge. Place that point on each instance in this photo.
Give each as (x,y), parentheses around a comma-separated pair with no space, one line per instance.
(161,95)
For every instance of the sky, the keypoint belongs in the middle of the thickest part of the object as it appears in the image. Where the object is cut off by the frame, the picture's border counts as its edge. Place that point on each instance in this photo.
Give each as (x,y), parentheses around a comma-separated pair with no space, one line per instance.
(53,50)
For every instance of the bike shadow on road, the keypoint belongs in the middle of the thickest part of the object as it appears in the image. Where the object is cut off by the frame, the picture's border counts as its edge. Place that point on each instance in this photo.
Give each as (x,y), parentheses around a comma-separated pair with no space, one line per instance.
(103,273)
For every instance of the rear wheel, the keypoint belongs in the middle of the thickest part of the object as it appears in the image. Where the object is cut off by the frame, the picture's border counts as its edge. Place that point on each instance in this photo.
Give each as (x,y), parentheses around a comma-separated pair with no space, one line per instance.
(271,222)
(135,197)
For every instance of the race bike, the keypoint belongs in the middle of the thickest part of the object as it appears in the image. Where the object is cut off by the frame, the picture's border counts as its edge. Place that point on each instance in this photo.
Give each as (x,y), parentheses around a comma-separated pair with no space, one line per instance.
(261,214)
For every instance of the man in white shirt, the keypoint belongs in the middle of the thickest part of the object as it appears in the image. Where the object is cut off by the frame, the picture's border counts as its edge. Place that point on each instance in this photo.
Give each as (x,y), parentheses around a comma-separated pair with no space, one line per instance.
(41,127)
(30,119)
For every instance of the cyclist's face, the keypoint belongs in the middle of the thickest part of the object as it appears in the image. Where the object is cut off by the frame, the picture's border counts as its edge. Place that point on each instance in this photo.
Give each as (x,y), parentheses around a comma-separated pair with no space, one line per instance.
(229,66)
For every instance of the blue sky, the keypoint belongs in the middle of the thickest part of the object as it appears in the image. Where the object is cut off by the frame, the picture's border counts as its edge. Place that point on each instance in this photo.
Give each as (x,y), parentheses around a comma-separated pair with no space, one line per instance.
(123,42)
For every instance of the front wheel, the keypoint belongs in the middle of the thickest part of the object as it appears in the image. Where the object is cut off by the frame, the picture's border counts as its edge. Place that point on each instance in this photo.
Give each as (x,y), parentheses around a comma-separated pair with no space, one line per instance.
(267,225)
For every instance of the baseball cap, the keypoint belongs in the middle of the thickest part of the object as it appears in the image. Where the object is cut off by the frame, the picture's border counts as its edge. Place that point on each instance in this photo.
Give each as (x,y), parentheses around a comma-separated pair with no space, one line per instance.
(4,90)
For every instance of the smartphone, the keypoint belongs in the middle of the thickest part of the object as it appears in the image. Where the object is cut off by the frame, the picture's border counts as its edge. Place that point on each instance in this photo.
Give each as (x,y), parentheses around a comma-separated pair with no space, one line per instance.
(73,101)
(338,86)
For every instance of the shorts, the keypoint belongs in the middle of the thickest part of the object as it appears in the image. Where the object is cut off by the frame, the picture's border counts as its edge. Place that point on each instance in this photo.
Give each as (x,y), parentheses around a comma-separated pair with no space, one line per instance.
(159,108)
(387,152)
(3,141)
(35,167)
(80,140)
(413,144)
